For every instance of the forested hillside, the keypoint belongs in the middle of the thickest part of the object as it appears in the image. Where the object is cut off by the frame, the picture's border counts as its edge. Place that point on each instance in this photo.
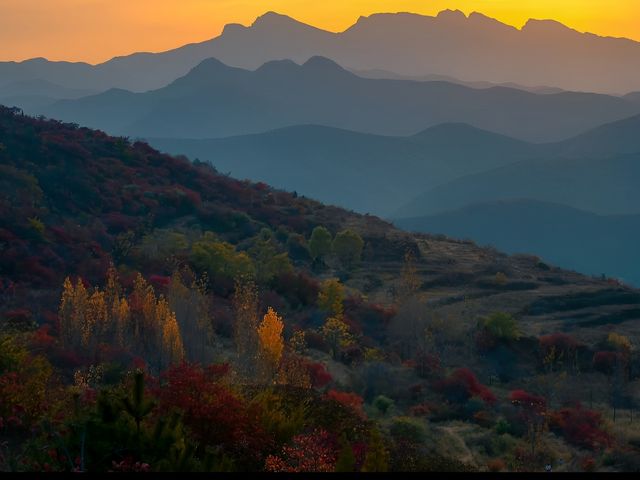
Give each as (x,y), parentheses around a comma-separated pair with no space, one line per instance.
(158,315)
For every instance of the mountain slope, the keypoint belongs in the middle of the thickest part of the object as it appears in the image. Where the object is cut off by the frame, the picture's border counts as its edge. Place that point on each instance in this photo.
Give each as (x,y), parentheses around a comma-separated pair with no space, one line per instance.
(381,74)
(478,48)
(215,100)
(73,200)
(589,243)
(604,186)
(614,138)
(366,173)
(594,171)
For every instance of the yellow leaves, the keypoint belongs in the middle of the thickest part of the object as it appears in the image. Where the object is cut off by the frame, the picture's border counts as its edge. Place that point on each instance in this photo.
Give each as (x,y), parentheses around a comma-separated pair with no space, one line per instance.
(270,338)
(331,297)
(619,342)
(336,333)
(374,355)
(276,365)
(146,324)
(172,347)
(74,322)
(122,314)
(95,318)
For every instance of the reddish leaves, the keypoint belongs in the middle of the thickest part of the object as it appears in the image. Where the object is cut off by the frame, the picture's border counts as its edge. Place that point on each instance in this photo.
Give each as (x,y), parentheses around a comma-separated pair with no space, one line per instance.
(581,427)
(462,384)
(311,452)
(349,400)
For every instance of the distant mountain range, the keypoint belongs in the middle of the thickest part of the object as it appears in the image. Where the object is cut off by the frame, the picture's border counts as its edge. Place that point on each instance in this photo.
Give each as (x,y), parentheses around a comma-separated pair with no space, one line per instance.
(364,172)
(447,78)
(215,100)
(590,243)
(35,94)
(473,48)
(605,186)
(598,171)
(444,167)
(523,198)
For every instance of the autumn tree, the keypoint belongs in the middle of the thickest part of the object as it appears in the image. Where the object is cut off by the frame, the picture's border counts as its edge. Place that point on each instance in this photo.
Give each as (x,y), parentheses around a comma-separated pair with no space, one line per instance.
(191,307)
(145,326)
(96,323)
(145,331)
(271,344)
(377,456)
(73,305)
(294,369)
(331,297)
(220,259)
(245,328)
(320,243)
(172,349)
(499,327)
(336,333)
(347,246)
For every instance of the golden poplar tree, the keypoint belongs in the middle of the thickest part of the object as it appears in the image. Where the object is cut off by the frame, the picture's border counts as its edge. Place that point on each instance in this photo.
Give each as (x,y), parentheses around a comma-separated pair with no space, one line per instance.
(80,300)
(171,349)
(271,342)
(121,315)
(68,330)
(191,306)
(95,325)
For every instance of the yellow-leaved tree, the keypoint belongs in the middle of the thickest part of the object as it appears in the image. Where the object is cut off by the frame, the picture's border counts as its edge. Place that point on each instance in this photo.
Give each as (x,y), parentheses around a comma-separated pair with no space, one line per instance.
(336,333)
(331,297)
(145,325)
(172,349)
(187,297)
(271,344)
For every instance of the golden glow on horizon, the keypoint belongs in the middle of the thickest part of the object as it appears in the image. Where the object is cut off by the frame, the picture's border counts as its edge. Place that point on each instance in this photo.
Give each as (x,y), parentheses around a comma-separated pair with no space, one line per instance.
(97,30)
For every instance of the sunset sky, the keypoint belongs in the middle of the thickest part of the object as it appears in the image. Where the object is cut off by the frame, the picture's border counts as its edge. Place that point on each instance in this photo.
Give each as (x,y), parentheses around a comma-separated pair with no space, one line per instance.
(96,30)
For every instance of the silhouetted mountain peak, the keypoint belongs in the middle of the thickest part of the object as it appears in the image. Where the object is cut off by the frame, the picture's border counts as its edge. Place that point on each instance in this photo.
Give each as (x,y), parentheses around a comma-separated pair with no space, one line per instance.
(545,26)
(323,64)
(208,66)
(231,28)
(205,72)
(451,15)
(482,20)
(273,20)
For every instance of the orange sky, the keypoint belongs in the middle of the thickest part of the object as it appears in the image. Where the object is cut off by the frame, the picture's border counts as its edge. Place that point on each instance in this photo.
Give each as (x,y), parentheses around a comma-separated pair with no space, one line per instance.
(96,30)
